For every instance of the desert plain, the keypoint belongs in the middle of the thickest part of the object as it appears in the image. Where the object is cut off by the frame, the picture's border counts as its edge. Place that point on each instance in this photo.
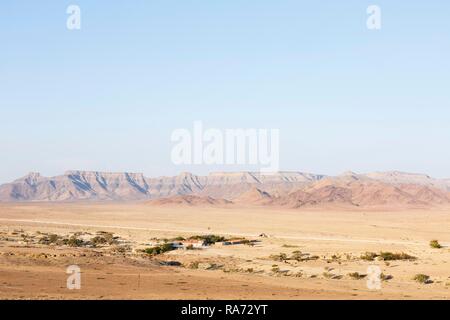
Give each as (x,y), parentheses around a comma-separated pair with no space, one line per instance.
(308,253)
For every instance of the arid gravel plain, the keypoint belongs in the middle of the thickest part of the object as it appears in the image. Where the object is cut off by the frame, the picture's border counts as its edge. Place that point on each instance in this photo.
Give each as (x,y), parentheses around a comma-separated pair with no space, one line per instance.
(287,253)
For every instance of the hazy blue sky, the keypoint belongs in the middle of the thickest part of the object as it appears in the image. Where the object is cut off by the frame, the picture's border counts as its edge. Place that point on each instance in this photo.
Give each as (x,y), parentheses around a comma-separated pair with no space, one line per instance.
(108,96)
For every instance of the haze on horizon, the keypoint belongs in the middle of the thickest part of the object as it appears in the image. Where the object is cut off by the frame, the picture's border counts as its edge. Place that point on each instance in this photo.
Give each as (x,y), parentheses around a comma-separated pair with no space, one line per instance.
(107,97)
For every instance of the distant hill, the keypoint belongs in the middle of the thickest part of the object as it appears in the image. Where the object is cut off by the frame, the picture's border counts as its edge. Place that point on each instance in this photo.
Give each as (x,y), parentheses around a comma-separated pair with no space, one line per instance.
(190,200)
(102,186)
(285,189)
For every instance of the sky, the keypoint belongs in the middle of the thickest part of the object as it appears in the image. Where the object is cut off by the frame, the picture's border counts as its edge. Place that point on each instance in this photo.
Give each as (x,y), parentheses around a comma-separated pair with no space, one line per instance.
(107,97)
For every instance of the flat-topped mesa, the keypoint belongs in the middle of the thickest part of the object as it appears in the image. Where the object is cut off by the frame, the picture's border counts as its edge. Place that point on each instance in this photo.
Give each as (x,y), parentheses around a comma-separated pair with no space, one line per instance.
(115,185)
(232,178)
(282,188)
(259,178)
(401,177)
(101,173)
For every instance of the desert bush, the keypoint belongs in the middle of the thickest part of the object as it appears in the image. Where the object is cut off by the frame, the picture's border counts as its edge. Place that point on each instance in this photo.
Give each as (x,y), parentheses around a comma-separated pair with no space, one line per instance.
(385,277)
(329,275)
(110,239)
(357,276)
(104,238)
(248,242)
(369,256)
(170,263)
(435,244)
(279,257)
(387,256)
(422,278)
(121,249)
(53,238)
(296,255)
(193,265)
(166,247)
(159,249)
(73,241)
(153,250)
(209,239)
(98,240)
(299,256)
(307,257)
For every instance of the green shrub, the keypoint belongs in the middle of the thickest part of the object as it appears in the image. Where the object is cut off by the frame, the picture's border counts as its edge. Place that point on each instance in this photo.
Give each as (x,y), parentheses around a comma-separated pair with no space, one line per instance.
(209,239)
(104,238)
(167,247)
(98,240)
(247,242)
(153,250)
(73,241)
(159,249)
(275,269)
(435,244)
(387,256)
(296,255)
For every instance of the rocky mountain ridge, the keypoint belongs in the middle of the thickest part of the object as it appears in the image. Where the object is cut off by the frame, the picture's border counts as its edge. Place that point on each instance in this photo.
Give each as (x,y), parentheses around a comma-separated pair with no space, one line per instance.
(289,189)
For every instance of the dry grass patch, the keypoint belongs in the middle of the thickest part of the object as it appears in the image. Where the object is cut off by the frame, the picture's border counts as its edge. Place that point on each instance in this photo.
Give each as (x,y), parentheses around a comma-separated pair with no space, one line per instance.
(357,275)
(422,278)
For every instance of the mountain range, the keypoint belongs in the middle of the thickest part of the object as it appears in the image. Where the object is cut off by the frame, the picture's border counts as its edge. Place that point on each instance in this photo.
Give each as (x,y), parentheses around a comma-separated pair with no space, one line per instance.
(286,189)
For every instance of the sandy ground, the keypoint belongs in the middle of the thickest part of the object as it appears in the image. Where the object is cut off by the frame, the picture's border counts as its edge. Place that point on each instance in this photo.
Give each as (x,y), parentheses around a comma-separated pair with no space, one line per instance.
(336,238)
